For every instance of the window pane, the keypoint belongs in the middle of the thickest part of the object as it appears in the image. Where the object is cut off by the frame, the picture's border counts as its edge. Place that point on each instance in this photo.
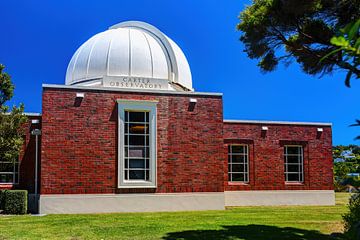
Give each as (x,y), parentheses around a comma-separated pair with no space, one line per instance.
(126,116)
(136,140)
(136,175)
(293,159)
(238,149)
(7,167)
(293,177)
(238,168)
(293,150)
(138,152)
(238,177)
(136,116)
(16,178)
(147,175)
(137,163)
(6,178)
(293,168)
(126,163)
(136,128)
(238,158)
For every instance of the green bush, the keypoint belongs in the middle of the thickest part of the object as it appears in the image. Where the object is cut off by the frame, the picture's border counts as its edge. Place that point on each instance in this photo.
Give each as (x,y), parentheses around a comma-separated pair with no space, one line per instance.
(15,201)
(1,200)
(352,218)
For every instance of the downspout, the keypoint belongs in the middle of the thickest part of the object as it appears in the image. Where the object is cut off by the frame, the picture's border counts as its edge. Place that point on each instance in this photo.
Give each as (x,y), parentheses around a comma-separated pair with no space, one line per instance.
(37,133)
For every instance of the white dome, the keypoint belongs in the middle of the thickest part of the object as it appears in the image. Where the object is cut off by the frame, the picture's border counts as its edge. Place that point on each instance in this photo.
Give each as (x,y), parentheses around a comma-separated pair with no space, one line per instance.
(130,50)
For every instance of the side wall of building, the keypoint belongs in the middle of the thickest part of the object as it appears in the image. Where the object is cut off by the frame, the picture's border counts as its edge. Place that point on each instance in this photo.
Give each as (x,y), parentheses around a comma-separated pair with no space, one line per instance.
(27,158)
(266,155)
(80,142)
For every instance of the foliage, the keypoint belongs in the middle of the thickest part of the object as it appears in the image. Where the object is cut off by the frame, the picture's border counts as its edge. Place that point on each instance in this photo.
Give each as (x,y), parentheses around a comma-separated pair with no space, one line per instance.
(276,31)
(357,124)
(2,200)
(350,164)
(348,45)
(15,201)
(339,149)
(342,169)
(352,218)
(11,134)
(6,86)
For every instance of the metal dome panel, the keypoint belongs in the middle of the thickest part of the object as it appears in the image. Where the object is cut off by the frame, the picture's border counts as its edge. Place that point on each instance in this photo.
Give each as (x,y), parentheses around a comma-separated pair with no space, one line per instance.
(134,51)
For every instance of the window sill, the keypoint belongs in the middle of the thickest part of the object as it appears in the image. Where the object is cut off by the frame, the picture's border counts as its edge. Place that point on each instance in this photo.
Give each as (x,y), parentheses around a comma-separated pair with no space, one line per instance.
(136,184)
(295,183)
(238,183)
(7,185)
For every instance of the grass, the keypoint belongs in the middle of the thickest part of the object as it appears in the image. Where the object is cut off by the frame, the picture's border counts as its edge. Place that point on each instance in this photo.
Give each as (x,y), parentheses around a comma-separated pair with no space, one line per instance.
(248,223)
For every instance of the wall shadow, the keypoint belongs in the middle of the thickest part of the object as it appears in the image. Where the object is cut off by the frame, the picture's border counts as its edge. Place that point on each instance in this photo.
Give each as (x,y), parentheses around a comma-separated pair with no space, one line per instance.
(253,232)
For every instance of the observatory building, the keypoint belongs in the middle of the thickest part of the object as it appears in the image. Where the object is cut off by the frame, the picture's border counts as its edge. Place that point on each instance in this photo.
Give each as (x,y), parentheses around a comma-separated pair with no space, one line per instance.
(129,133)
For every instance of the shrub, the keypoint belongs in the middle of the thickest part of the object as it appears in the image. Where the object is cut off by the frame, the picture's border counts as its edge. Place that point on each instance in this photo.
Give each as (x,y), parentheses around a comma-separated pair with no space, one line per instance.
(352,218)
(1,200)
(15,201)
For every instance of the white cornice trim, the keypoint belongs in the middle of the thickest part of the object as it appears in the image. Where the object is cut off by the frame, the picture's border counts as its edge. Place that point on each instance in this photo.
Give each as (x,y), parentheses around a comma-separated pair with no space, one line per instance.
(32,114)
(109,89)
(278,122)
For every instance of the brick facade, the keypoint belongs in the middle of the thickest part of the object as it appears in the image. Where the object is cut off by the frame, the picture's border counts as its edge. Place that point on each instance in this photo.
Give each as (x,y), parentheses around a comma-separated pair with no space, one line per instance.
(266,159)
(79,142)
(79,146)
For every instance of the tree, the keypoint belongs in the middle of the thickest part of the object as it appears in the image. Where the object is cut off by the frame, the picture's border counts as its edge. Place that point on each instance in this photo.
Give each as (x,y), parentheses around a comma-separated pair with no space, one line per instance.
(11,122)
(347,44)
(6,86)
(276,31)
(352,217)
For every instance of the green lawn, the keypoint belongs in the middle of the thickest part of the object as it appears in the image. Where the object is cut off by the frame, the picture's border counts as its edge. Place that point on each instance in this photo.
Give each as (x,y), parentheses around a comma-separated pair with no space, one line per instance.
(249,223)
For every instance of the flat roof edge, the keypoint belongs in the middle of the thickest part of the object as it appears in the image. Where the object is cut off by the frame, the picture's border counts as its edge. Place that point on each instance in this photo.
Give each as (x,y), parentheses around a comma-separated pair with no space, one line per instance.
(278,122)
(32,114)
(129,90)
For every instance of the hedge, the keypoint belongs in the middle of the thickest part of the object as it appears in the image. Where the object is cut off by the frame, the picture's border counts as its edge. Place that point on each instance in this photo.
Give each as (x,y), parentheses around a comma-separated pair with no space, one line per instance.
(14,201)
(1,200)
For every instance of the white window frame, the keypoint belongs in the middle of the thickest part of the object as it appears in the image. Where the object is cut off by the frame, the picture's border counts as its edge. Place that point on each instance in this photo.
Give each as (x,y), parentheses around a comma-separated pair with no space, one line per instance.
(301,158)
(137,105)
(230,163)
(14,173)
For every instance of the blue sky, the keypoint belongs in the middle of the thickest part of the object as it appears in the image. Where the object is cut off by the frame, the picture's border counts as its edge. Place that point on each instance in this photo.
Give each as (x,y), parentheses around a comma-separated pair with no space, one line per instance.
(38,39)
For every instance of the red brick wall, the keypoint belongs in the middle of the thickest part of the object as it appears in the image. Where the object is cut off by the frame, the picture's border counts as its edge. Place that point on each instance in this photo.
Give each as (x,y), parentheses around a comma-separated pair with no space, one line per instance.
(79,142)
(266,169)
(27,158)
